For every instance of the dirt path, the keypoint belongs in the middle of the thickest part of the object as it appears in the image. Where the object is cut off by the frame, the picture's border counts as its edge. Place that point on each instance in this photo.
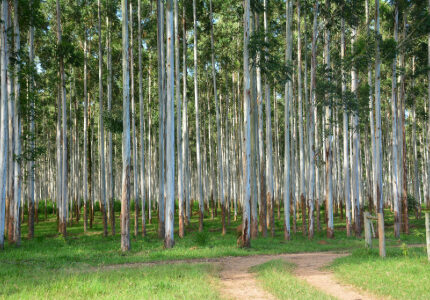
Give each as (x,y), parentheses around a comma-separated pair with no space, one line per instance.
(309,269)
(237,282)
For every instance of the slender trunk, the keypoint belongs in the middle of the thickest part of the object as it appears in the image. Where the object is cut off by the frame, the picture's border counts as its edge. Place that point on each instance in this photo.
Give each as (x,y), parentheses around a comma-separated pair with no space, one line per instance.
(288,103)
(246,238)
(141,108)
(161,75)
(63,183)
(126,155)
(101,127)
(346,178)
(184,157)
(196,102)
(32,140)
(110,182)
(380,198)
(301,134)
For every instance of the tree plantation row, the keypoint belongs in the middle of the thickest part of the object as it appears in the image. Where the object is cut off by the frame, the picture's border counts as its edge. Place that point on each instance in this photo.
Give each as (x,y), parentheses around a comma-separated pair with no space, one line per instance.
(253,107)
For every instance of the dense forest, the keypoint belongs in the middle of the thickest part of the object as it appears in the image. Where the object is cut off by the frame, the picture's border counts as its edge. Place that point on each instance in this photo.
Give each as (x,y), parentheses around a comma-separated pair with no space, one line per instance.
(172,110)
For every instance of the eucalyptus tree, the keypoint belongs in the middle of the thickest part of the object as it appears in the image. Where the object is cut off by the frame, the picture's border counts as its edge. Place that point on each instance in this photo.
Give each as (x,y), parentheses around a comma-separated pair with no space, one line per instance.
(4,119)
(246,219)
(170,129)
(378,155)
(300,117)
(184,152)
(126,154)
(141,109)
(218,126)
(196,104)
(64,162)
(288,104)
(101,126)
(161,106)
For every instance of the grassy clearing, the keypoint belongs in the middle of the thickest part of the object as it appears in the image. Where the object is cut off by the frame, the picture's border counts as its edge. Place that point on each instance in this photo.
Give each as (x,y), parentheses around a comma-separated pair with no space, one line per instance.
(156,282)
(57,262)
(277,278)
(403,274)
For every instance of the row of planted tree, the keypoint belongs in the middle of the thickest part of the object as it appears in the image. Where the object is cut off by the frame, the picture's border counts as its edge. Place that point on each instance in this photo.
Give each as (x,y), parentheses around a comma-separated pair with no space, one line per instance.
(296,104)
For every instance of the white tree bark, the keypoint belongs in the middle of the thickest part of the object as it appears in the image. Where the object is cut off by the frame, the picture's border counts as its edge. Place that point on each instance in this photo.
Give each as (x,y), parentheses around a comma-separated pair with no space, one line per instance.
(196,103)
(246,238)
(3,121)
(126,154)
(288,103)
(101,127)
(170,132)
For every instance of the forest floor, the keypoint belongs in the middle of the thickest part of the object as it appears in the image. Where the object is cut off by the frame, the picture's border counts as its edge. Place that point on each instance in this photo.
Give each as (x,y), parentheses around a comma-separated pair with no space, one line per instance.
(209,265)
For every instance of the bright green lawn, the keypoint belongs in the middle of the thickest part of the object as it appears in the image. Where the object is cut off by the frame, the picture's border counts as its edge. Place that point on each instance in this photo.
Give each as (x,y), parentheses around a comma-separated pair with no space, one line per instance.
(155,282)
(277,279)
(403,274)
(53,262)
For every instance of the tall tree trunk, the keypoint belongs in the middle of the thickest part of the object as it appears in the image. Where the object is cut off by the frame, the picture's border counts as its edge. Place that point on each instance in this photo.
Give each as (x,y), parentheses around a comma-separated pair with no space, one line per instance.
(110,183)
(101,127)
(246,238)
(196,103)
(32,131)
(62,85)
(126,155)
(312,124)
(346,178)
(133,129)
(328,132)
(16,131)
(85,162)
(4,119)
(218,127)
(301,134)
(184,158)
(161,92)
(141,109)
(380,198)
(288,103)
(170,132)
(395,143)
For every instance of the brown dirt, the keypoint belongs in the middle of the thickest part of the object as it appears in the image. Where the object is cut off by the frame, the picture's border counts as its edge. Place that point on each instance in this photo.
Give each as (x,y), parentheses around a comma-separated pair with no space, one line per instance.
(237,282)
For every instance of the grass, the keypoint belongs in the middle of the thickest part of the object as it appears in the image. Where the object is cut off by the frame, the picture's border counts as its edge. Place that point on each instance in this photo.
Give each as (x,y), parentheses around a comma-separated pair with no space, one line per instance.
(182,281)
(403,274)
(56,262)
(277,278)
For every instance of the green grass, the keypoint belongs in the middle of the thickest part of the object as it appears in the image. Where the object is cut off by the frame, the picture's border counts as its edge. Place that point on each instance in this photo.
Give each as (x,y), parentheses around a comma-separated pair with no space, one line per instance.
(403,274)
(155,282)
(277,278)
(54,262)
